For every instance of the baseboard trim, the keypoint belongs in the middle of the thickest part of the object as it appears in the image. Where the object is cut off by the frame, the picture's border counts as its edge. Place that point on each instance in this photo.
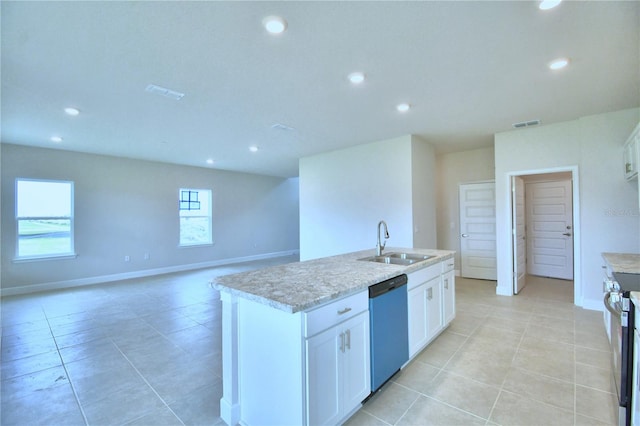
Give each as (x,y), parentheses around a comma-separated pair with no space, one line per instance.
(81,282)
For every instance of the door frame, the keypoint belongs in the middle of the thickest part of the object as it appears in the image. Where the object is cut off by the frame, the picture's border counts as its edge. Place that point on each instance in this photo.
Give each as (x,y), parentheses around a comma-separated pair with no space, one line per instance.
(577,259)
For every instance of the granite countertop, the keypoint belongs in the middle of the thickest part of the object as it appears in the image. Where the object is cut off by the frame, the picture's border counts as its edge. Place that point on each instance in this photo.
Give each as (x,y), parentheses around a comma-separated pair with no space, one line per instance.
(300,286)
(628,263)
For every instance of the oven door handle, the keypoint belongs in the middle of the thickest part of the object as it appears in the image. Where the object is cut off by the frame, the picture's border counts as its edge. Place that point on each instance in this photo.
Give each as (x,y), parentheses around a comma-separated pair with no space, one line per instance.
(608,306)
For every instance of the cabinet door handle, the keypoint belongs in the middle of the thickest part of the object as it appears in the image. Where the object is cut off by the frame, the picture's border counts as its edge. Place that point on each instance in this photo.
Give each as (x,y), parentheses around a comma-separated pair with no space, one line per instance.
(341,342)
(430,293)
(344,311)
(348,344)
(446,283)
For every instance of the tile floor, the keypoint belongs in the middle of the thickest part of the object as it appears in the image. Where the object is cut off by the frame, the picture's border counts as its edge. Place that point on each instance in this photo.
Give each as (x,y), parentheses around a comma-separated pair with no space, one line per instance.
(147,352)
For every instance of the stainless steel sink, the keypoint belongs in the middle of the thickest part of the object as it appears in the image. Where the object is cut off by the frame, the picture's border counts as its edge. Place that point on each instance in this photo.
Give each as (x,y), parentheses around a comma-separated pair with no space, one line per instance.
(410,256)
(398,258)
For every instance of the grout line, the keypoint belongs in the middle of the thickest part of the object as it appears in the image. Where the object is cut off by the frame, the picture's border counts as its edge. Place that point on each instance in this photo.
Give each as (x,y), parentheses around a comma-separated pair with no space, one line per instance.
(148,384)
(64,366)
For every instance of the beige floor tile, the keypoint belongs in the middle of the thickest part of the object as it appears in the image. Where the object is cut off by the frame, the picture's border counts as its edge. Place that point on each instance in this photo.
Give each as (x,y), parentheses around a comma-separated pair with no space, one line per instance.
(557,364)
(488,367)
(440,351)
(465,323)
(594,377)
(594,357)
(416,376)
(463,393)
(540,388)
(362,418)
(426,411)
(512,409)
(391,404)
(542,332)
(597,404)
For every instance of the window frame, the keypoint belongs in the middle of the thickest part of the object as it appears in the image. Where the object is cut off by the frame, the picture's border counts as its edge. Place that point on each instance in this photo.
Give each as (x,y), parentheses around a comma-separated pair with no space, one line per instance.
(71,218)
(208,216)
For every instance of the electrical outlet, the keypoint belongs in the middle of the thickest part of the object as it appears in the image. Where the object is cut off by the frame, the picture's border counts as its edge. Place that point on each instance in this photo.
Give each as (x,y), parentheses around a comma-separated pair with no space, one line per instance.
(146,256)
(127,258)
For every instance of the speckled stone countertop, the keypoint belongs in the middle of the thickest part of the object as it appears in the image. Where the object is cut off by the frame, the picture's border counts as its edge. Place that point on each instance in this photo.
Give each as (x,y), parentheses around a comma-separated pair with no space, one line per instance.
(623,262)
(300,286)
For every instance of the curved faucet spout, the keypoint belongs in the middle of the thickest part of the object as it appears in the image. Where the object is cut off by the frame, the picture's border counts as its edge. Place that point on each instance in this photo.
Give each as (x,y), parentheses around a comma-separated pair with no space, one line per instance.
(380,246)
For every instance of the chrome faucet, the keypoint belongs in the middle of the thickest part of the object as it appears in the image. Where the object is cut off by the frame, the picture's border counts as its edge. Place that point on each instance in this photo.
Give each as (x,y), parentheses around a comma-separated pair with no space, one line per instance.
(380,247)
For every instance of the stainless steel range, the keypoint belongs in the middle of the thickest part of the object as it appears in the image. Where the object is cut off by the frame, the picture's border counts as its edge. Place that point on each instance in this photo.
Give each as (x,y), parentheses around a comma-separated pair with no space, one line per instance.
(621,334)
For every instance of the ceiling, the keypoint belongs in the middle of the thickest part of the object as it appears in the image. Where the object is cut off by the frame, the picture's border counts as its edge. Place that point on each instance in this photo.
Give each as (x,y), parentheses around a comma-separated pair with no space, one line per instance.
(468,69)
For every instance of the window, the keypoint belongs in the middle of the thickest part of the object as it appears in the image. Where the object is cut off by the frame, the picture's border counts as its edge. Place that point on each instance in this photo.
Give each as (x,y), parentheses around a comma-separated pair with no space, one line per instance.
(195,217)
(44,218)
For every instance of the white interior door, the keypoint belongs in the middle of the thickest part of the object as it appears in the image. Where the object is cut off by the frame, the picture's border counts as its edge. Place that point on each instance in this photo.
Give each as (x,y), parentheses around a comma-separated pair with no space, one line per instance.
(519,235)
(550,229)
(478,230)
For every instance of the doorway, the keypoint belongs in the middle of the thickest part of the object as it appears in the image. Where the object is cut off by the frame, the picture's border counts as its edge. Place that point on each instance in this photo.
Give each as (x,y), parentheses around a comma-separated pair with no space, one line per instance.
(543,245)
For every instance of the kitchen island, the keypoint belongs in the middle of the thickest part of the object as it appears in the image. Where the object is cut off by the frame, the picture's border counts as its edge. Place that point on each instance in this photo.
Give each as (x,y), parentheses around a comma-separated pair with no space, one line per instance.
(295,337)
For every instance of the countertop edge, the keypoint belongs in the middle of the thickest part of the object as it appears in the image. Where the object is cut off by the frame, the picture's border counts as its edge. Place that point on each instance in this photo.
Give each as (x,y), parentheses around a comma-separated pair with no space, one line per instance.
(380,272)
(623,262)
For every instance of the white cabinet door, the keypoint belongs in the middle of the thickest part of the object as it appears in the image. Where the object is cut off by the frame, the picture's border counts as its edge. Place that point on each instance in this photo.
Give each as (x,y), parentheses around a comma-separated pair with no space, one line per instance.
(425,313)
(449,296)
(338,370)
(323,379)
(356,366)
(417,309)
(434,308)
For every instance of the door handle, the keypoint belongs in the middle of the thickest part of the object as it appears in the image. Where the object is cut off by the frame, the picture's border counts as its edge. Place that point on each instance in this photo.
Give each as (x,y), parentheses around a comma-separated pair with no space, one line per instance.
(341,342)
(567,234)
(347,345)
(464,235)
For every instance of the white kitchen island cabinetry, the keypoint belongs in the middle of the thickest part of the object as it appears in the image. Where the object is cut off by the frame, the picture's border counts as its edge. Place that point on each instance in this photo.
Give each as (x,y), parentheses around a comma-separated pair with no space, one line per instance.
(431,297)
(448,291)
(338,374)
(296,338)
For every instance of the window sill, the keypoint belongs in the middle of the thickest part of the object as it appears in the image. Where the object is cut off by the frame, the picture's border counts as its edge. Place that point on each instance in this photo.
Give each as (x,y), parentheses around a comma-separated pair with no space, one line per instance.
(196,245)
(43,258)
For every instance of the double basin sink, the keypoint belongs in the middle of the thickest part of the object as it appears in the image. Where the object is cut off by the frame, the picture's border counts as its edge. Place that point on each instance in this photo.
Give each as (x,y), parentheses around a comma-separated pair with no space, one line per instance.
(398,258)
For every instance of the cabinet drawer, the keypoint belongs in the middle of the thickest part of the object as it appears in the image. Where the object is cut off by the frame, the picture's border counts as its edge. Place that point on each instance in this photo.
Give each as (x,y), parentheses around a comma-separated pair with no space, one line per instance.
(420,276)
(448,265)
(334,313)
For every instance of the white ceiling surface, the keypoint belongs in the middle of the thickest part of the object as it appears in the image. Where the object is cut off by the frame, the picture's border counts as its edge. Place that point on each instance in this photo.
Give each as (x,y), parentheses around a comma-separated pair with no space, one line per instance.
(469,69)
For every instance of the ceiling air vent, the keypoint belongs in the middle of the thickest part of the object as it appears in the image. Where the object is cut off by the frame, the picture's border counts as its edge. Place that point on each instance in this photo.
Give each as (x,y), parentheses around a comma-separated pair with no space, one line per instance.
(280,126)
(163,91)
(526,124)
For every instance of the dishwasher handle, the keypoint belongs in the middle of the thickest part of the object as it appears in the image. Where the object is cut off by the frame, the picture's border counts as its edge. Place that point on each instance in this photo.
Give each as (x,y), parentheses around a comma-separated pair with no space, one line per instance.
(387,285)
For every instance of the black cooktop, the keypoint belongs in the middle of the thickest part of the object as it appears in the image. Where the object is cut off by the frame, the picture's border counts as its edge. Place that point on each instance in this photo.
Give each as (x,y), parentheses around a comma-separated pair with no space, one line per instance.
(628,282)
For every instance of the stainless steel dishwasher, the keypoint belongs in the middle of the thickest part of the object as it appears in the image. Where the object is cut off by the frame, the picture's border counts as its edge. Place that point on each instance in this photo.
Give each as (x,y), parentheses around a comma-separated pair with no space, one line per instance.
(389,329)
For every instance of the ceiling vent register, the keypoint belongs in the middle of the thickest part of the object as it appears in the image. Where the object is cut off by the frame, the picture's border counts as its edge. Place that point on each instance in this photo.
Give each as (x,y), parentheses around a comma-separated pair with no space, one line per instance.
(163,91)
(526,124)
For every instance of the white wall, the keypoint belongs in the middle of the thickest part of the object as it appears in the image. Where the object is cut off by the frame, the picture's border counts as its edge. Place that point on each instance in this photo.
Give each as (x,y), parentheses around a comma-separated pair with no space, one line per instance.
(423,168)
(129,207)
(345,193)
(452,170)
(592,145)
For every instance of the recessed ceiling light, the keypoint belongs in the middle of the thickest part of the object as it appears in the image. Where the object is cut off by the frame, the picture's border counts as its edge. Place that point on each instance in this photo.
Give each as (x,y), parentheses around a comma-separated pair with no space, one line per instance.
(558,64)
(356,77)
(56,139)
(72,111)
(548,4)
(209,160)
(404,107)
(274,24)
(253,148)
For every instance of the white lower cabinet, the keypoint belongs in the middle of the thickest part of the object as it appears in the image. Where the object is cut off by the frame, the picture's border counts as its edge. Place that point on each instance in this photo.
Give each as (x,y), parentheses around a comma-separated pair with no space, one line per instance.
(431,296)
(425,307)
(338,370)
(448,292)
